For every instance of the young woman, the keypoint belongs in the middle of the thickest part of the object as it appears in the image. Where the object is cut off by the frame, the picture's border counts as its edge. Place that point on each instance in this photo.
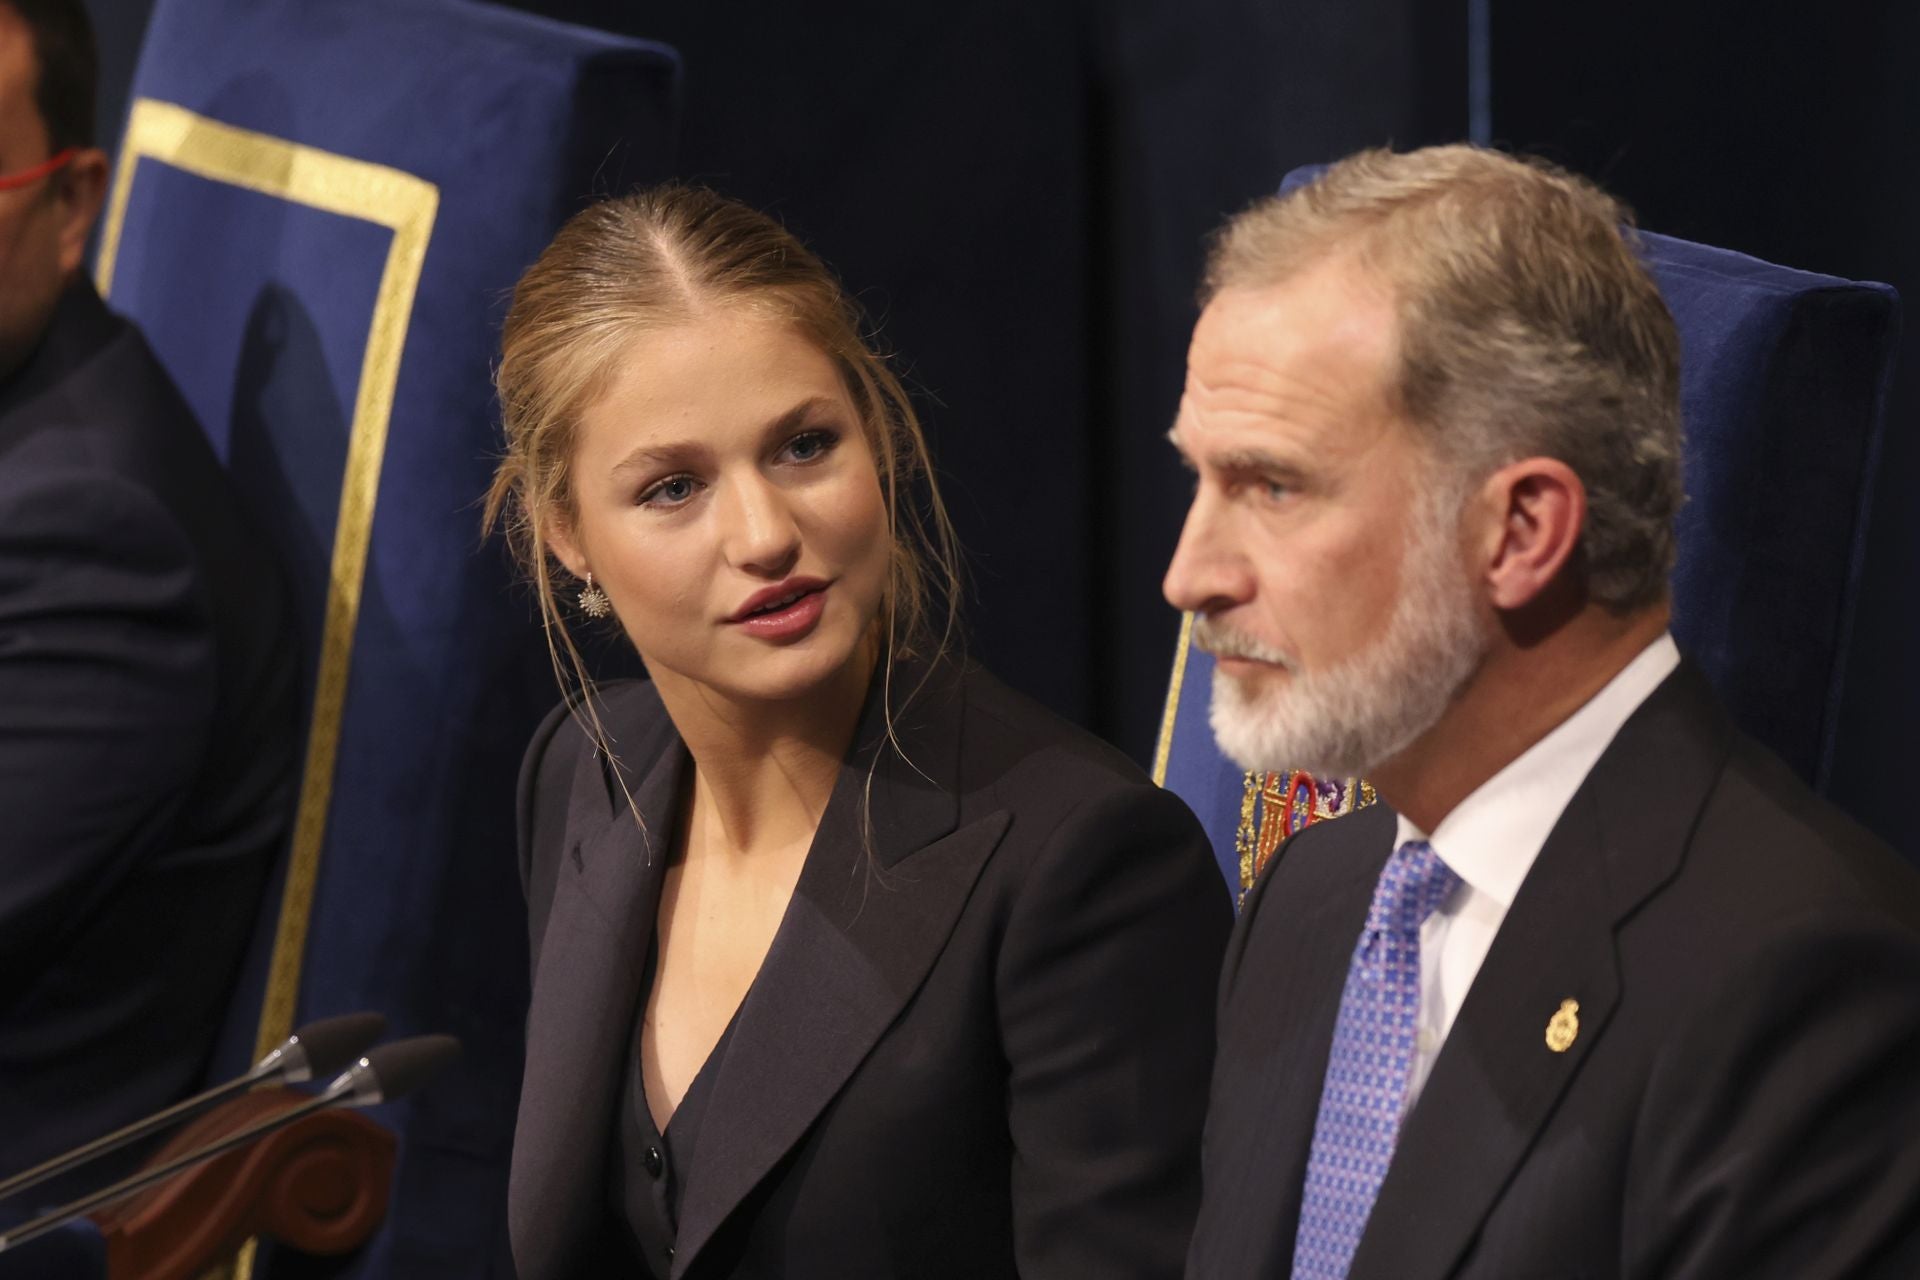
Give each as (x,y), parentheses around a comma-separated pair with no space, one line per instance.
(848,961)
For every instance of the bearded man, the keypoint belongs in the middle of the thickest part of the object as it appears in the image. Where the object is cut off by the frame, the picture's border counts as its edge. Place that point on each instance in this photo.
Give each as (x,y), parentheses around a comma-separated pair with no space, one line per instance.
(1600,989)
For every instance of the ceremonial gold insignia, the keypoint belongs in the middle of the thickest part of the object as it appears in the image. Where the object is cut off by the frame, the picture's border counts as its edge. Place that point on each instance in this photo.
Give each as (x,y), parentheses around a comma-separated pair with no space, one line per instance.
(1563,1026)
(1276,805)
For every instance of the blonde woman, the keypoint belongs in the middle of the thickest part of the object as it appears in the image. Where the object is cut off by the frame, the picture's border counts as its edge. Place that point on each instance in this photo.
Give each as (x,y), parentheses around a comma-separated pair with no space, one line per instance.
(848,961)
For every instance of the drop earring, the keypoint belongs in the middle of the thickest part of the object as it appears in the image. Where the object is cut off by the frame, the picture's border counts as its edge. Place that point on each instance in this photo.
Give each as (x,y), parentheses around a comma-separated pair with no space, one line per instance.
(593,601)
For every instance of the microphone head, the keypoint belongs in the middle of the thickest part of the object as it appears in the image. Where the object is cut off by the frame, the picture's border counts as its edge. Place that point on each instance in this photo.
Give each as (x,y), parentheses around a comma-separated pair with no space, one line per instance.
(394,1070)
(322,1048)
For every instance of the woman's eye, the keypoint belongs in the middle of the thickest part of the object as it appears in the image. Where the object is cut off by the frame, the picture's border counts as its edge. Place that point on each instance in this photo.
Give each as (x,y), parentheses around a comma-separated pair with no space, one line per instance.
(810,445)
(670,492)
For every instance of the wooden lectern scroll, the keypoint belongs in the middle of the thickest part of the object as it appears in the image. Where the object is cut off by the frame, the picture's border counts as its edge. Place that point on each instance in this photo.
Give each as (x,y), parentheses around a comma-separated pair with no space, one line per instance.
(319,1185)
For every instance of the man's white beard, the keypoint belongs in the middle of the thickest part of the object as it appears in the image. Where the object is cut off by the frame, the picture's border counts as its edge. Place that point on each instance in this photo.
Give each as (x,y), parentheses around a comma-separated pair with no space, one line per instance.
(1346,720)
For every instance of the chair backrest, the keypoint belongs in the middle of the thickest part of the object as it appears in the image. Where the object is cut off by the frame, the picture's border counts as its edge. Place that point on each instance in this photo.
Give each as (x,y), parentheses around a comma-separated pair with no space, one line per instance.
(1784,379)
(318,214)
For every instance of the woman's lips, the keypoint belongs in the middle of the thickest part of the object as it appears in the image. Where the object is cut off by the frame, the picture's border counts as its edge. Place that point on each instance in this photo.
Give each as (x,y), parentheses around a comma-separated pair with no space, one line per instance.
(788,621)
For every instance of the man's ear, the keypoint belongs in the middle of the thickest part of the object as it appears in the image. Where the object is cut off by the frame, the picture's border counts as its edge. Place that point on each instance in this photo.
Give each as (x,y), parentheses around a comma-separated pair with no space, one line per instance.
(1541,509)
(82,188)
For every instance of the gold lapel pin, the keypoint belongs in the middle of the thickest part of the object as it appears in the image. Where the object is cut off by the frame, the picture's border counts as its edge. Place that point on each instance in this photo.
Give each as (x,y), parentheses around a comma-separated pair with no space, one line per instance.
(1564,1026)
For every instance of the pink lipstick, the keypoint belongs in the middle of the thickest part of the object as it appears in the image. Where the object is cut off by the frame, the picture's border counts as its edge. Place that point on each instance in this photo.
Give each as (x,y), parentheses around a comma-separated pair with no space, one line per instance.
(787,610)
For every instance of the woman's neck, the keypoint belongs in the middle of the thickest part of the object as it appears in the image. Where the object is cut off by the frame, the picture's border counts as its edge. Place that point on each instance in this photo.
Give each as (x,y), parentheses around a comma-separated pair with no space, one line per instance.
(763,772)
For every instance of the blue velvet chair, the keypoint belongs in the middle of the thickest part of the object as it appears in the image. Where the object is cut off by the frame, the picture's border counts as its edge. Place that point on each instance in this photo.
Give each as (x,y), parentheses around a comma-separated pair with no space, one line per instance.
(317,215)
(1784,378)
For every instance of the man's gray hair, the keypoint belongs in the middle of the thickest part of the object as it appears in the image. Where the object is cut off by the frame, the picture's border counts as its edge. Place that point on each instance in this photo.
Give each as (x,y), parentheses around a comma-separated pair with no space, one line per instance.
(1527,327)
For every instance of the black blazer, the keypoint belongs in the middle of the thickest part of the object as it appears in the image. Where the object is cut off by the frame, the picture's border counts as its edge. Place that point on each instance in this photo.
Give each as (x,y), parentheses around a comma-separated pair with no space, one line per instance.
(1741,1100)
(982,1053)
(147,737)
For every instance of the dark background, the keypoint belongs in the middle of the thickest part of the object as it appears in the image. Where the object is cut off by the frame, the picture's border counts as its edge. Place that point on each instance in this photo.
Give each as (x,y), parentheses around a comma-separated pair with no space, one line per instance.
(1019,190)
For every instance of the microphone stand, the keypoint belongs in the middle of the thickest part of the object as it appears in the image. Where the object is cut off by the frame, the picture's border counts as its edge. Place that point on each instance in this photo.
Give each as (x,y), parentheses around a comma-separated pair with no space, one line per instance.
(317,1049)
(159,1173)
(386,1073)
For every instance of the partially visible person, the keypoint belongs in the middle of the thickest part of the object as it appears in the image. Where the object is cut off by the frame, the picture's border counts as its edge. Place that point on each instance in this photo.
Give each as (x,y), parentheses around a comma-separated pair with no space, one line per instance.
(848,960)
(1601,989)
(147,719)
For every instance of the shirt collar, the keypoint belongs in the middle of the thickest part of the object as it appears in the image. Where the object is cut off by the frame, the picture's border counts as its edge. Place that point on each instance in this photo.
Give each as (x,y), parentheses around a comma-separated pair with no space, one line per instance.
(1492,837)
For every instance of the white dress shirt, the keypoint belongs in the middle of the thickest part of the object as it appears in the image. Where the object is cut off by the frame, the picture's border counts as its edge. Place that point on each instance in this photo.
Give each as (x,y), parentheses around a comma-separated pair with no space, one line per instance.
(1491,838)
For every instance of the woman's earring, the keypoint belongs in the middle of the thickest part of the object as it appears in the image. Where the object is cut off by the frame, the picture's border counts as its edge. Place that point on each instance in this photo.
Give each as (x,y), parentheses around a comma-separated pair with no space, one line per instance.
(593,601)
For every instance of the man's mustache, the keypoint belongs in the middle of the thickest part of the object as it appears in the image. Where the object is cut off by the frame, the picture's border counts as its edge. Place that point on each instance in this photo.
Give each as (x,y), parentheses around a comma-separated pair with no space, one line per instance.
(1223,642)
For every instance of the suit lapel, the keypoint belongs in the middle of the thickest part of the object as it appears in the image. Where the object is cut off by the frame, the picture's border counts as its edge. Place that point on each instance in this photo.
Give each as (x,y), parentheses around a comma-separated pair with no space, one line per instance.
(857,940)
(579,1028)
(1497,1081)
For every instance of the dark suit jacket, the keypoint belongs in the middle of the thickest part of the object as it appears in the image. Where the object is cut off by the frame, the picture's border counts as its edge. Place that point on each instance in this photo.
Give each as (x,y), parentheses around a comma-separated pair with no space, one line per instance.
(147,738)
(1742,1098)
(981,1053)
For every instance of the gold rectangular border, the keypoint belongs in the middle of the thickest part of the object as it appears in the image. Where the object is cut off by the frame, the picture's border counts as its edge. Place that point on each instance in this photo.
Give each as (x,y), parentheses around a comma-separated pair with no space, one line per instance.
(406,205)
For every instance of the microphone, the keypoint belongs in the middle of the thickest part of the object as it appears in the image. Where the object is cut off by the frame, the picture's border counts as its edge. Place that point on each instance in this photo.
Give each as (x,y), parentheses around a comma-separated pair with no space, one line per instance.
(384,1074)
(317,1049)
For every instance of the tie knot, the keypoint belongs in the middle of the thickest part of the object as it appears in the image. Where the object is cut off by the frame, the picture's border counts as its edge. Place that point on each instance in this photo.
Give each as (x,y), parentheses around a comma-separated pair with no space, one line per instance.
(1412,886)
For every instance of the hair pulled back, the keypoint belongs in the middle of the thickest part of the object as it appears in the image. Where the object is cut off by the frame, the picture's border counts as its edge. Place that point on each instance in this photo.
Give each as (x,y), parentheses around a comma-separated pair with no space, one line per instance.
(663,257)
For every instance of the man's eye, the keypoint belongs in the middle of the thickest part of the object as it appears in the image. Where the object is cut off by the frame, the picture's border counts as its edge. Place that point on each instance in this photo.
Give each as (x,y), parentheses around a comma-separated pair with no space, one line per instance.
(670,492)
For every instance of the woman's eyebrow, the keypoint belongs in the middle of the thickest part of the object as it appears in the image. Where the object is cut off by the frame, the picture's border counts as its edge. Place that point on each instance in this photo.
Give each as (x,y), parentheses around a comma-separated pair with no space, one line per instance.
(793,417)
(648,456)
(675,452)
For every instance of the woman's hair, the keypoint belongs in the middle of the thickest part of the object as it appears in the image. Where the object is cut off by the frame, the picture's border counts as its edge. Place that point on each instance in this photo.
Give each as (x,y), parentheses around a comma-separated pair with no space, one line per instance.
(664,257)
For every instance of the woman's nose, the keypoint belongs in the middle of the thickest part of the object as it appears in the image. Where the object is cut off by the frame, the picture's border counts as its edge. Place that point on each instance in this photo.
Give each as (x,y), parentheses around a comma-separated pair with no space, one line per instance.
(761,535)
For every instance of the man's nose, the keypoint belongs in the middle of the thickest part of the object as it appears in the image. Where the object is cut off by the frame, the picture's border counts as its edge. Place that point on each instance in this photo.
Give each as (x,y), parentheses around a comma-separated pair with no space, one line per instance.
(1208,573)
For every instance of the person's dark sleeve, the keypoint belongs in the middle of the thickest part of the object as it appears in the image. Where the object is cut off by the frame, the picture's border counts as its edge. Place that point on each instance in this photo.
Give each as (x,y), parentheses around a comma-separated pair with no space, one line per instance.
(1780,1134)
(107,692)
(544,774)
(1105,983)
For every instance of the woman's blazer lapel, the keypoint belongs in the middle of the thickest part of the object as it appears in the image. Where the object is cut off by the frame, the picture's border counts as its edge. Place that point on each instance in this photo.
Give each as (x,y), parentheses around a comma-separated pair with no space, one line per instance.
(591,961)
(857,941)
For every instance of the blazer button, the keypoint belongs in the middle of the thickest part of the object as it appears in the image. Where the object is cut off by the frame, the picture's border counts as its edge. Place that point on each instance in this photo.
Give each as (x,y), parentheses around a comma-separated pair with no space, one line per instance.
(654,1162)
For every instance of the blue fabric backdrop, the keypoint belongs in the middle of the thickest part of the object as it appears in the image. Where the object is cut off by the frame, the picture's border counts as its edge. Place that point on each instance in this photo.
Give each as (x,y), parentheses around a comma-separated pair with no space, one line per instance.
(266,301)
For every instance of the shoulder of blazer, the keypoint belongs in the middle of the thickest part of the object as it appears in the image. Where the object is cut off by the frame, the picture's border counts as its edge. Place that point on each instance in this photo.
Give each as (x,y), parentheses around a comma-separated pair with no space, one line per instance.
(1793,852)
(566,782)
(1016,754)
(564,769)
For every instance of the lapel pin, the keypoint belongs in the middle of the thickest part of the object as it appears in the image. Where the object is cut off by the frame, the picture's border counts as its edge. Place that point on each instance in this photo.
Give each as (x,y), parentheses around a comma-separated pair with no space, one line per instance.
(1564,1026)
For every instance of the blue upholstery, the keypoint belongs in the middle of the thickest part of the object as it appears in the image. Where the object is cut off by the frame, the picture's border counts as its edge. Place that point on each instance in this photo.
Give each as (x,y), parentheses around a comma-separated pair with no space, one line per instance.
(318,215)
(1784,378)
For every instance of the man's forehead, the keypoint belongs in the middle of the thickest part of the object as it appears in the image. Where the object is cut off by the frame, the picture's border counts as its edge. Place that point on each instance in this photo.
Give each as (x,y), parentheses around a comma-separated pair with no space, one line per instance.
(1334,302)
(1312,354)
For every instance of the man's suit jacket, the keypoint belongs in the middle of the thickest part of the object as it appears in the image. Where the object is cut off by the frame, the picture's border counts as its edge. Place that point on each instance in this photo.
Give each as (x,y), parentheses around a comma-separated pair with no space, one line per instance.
(1742,1096)
(147,738)
(976,1050)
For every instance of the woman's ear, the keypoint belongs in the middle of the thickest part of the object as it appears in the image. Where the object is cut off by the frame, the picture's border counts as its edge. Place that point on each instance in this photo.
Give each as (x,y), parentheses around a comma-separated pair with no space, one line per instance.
(1542,508)
(557,535)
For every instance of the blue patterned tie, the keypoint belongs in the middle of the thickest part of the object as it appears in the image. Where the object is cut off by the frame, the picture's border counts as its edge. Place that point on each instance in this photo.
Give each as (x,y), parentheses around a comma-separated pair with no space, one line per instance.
(1371,1062)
